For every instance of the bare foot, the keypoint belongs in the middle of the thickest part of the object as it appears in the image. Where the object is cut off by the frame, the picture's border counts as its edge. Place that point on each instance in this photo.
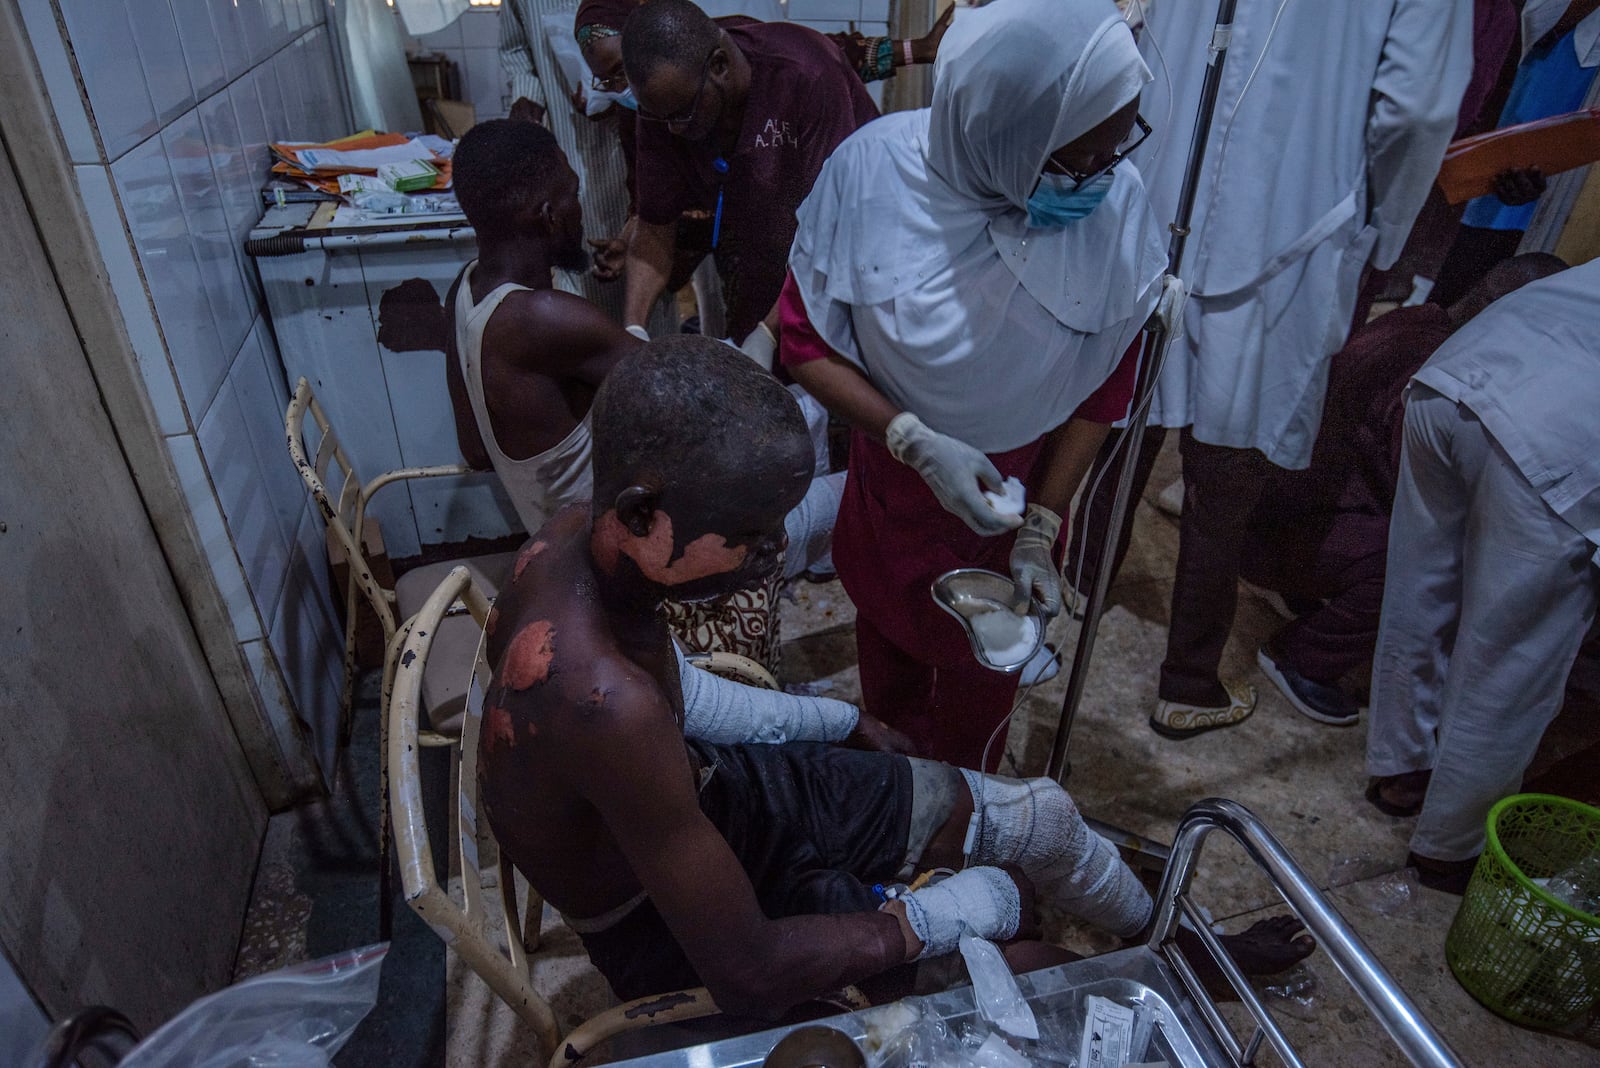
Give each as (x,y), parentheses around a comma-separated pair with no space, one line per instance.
(1267,947)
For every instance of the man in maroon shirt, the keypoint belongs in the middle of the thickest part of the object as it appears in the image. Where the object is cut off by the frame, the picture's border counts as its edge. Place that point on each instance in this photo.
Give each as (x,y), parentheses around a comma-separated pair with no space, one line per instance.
(1320,536)
(736,122)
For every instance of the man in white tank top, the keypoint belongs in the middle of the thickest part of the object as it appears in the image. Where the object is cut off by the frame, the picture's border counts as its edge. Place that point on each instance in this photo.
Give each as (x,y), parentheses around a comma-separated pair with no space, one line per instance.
(524,359)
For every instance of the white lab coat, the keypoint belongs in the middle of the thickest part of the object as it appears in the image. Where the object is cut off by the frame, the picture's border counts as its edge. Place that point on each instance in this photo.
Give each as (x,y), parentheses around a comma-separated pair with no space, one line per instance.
(529,32)
(529,61)
(914,257)
(1321,153)
(1539,17)
(1492,581)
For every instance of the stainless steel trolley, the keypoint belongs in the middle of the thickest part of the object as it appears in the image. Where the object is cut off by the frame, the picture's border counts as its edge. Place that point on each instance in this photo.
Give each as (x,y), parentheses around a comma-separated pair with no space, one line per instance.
(1189,1030)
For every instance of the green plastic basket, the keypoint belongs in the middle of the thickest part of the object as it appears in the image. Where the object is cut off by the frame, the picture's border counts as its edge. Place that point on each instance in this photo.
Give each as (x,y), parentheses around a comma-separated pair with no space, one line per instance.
(1516,948)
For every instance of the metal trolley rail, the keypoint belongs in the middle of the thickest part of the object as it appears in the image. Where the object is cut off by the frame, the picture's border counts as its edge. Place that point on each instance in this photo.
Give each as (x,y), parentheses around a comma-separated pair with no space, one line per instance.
(1189,1029)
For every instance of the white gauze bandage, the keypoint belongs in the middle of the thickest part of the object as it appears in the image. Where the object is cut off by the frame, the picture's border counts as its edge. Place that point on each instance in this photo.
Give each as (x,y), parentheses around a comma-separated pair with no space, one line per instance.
(1033,824)
(720,710)
(979,901)
(809,524)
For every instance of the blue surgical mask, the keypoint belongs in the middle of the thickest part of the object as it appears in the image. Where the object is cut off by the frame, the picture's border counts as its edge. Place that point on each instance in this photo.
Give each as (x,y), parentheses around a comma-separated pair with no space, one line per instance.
(628,100)
(1055,203)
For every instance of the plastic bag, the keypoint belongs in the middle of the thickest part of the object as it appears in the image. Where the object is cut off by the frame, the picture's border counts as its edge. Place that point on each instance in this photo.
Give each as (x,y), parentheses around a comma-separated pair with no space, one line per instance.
(1397,894)
(995,989)
(1356,868)
(1375,884)
(296,1017)
(1578,885)
(1294,992)
(908,1034)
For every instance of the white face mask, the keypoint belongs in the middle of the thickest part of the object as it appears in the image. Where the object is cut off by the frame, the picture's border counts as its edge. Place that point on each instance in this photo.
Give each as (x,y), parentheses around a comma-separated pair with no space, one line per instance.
(598,100)
(1055,203)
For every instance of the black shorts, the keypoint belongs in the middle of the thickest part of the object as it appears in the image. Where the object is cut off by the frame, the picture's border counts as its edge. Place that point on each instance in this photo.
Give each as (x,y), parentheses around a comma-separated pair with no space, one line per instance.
(814,827)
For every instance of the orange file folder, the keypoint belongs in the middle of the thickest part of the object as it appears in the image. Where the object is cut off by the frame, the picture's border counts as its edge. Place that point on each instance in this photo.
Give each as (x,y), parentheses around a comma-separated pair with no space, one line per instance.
(1556,144)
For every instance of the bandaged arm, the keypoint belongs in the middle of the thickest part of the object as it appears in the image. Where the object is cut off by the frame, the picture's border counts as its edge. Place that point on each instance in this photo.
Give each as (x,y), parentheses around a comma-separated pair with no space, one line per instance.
(719,710)
(982,901)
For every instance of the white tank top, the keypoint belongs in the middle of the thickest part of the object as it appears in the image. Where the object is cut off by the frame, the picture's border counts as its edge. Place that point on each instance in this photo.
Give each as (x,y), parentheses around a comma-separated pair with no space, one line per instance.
(539,485)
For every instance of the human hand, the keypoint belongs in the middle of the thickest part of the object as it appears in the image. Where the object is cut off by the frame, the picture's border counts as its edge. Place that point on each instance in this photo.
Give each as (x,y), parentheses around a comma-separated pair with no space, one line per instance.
(854,46)
(874,735)
(525,110)
(955,472)
(1515,187)
(1032,567)
(609,255)
(581,104)
(925,49)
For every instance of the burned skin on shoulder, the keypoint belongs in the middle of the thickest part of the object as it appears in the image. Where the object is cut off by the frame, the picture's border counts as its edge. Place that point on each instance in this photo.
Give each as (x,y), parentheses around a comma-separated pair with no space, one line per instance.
(551,644)
(560,679)
(524,624)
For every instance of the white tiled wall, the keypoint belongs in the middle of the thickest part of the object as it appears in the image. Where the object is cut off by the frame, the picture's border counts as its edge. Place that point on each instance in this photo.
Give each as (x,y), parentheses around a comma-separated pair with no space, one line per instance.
(169,144)
(472,43)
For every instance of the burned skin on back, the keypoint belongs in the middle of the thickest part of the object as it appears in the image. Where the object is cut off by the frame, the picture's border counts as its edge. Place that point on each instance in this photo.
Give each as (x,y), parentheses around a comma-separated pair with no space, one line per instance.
(587,782)
(560,672)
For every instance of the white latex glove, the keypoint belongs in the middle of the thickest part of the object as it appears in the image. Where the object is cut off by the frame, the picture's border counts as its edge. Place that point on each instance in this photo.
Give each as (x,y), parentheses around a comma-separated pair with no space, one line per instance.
(955,471)
(638,331)
(1031,567)
(761,346)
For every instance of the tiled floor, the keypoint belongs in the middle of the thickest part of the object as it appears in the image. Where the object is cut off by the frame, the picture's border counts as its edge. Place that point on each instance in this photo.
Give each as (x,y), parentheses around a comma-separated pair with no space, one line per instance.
(1303,779)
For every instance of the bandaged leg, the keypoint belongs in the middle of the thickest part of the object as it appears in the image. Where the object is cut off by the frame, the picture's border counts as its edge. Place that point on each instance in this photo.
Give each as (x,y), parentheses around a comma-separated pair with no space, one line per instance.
(1033,824)
(809,524)
(719,710)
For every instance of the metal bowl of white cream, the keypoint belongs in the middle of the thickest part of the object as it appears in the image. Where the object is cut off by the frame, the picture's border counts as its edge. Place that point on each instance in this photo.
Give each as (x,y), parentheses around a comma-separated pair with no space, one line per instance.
(980,601)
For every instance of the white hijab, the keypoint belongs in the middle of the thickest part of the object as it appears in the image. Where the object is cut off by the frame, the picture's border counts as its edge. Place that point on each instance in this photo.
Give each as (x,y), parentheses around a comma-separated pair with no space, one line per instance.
(914,257)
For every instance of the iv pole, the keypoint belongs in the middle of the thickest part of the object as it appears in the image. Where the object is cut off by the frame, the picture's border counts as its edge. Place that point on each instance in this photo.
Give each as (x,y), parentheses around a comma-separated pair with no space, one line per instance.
(1144,393)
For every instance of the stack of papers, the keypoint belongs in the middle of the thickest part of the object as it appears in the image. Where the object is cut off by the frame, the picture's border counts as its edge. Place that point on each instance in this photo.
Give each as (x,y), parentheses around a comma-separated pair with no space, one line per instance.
(319,166)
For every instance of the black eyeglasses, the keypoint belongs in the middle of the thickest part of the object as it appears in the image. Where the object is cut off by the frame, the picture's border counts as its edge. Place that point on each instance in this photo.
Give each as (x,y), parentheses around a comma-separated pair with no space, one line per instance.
(614,82)
(685,118)
(1136,137)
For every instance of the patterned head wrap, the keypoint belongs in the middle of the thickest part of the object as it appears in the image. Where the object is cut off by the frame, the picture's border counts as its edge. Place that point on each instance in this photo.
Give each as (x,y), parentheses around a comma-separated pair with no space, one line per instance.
(601,18)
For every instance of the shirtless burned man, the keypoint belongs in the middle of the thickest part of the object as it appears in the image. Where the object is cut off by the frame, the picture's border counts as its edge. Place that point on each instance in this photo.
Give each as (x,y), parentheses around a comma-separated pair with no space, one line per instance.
(682,854)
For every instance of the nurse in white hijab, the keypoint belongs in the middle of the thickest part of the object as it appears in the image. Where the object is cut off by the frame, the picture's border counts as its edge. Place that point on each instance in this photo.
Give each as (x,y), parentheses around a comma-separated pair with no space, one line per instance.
(964,279)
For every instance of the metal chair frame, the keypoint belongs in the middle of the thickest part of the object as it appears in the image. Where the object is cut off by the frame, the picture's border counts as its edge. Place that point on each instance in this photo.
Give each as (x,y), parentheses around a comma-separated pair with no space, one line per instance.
(345,513)
(463,927)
